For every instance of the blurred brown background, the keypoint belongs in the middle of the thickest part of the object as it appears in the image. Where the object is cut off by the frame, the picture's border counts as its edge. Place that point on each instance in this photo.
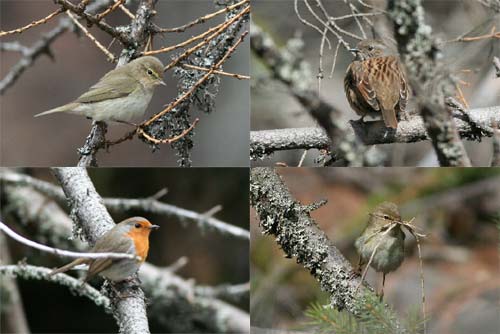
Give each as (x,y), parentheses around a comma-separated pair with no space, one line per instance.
(221,137)
(213,258)
(274,108)
(458,210)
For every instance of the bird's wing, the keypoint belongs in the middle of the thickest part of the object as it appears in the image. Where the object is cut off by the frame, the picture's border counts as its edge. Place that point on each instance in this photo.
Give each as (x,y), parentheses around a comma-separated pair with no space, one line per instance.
(385,76)
(364,84)
(110,87)
(108,243)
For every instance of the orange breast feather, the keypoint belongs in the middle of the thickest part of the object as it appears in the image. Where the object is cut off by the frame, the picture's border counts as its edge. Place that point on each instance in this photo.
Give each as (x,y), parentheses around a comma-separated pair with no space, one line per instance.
(141,242)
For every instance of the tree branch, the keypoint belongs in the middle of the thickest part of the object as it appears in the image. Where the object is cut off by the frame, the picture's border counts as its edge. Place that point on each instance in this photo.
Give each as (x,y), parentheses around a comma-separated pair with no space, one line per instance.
(88,208)
(175,302)
(286,68)
(62,252)
(265,142)
(42,46)
(138,28)
(40,273)
(430,80)
(299,236)
(148,204)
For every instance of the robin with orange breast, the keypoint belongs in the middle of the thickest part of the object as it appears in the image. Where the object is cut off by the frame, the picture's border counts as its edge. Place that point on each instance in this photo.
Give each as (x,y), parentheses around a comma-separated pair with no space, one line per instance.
(130,236)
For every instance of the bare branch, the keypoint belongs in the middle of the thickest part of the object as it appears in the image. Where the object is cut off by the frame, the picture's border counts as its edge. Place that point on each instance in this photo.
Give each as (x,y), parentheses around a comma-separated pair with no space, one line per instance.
(32,24)
(61,252)
(148,204)
(91,37)
(40,47)
(120,35)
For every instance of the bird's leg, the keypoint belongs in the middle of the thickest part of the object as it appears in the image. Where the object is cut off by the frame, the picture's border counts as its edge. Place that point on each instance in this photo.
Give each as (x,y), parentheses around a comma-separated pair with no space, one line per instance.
(382,291)
(403,115)
(360,264)
(117,286)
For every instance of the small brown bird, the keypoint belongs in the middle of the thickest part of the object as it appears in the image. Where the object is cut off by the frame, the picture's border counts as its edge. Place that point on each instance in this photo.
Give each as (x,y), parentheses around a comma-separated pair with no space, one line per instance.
(388,246)
(376,83)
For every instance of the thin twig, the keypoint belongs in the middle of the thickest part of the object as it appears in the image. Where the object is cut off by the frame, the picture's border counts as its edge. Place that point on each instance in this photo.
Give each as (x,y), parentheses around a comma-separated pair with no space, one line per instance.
(202,19)
(110,9)
(32,24)
(218,29)
(91,37)
(232,75)
(61,252)
(197,84)
(170,140)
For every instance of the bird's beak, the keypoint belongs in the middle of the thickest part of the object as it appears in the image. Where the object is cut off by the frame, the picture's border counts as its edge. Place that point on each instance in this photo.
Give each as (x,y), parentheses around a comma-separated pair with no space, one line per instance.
(161,82)
(154,227)
(354,50)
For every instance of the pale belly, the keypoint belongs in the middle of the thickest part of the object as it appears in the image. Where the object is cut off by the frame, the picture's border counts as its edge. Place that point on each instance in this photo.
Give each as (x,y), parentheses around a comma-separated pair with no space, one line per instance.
(121,270)
(125,109)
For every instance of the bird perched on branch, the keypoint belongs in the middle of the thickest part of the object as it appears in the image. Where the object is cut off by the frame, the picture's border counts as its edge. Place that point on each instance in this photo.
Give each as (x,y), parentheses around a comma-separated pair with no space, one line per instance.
(130,236)
(375,82)
(122,95)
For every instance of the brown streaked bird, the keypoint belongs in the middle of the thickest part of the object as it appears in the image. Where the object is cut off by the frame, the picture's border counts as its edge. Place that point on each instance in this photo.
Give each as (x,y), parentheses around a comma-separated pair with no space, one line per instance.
(376,83)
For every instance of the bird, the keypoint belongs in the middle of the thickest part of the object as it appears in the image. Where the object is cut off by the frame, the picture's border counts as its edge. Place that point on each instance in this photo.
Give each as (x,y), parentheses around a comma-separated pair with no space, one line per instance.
(121,95)
(130,236)
(388,246)
(375,82)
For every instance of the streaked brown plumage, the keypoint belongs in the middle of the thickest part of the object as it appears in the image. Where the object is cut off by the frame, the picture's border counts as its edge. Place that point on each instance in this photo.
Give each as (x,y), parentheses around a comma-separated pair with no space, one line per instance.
(375,82)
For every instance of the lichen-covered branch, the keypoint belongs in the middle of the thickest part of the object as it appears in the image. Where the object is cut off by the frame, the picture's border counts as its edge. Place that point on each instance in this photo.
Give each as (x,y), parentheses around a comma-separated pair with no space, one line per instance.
(299,236)
(87,207)
(430,80)
(40,273)
(149,204)
(266,142)
(96,139)
(178,303)
(285,67)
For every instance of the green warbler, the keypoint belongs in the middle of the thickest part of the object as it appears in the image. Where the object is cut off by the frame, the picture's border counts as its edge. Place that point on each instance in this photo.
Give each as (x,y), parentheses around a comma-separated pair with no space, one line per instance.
(382,235)
(122,95)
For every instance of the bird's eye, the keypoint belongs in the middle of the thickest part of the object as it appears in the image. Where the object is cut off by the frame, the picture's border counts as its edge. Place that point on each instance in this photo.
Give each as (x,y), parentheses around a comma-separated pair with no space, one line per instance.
(386,217)
(150,72)
(370,48)
(137,225)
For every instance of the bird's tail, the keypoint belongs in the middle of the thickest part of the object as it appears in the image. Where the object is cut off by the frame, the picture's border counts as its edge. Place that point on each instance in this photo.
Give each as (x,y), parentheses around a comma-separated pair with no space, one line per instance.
(389,116)
(66,107)
(68,266)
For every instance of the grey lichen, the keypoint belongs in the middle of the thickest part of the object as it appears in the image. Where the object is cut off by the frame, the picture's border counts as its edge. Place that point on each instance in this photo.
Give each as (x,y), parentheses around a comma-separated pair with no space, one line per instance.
(178,119)
(30,272)
(299,236)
